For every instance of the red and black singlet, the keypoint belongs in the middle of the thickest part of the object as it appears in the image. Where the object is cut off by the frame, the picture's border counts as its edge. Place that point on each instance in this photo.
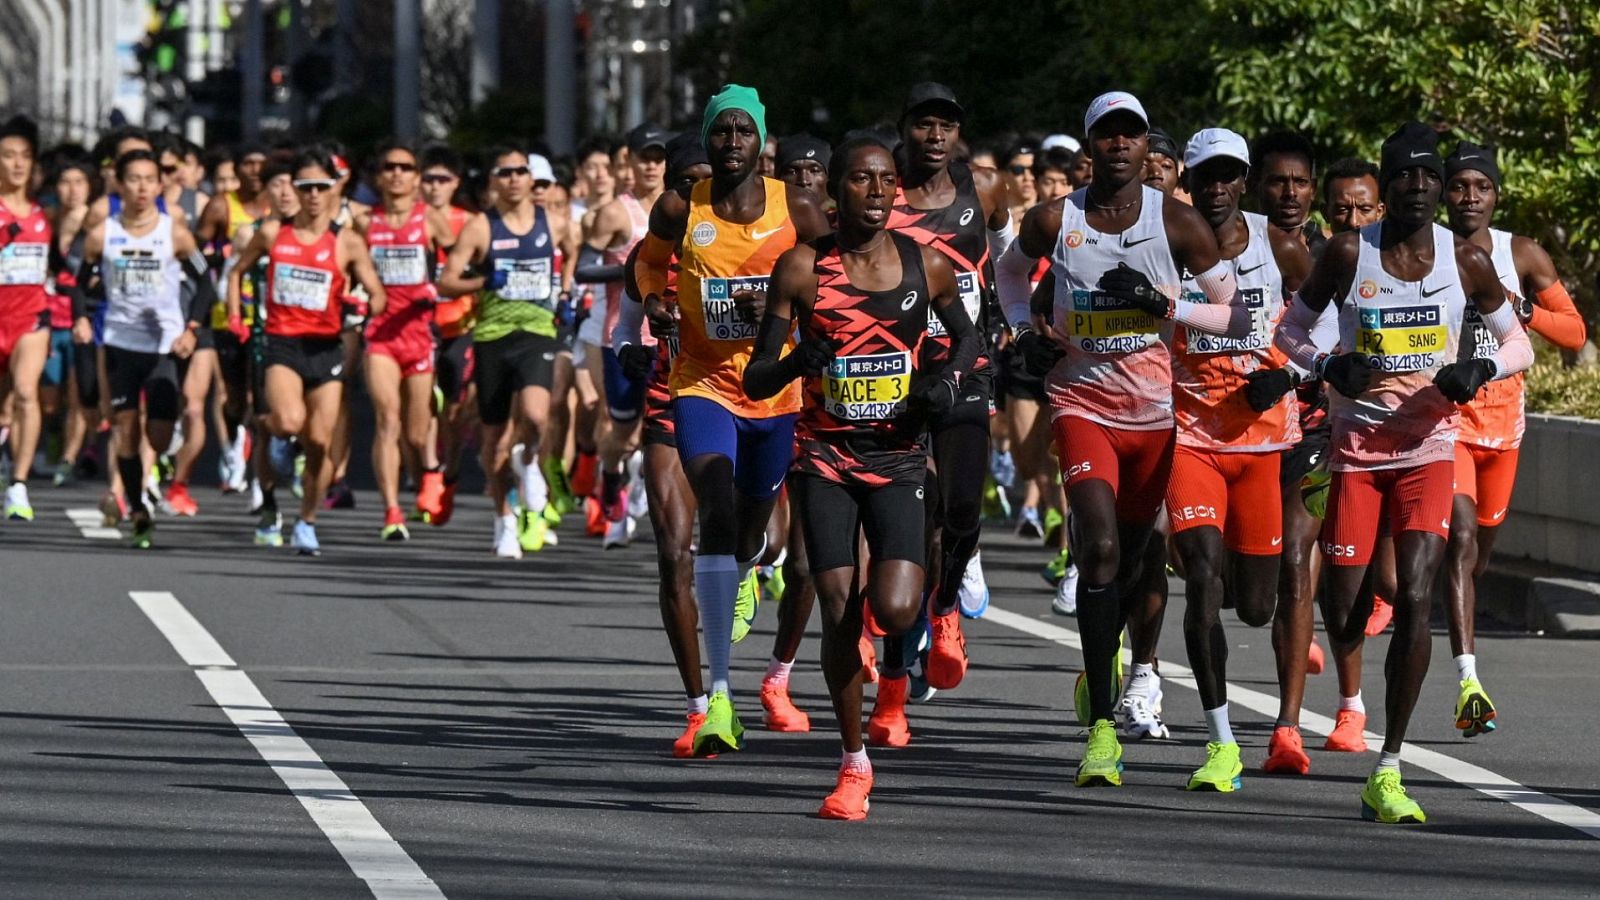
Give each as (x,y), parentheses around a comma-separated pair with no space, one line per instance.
(960,232)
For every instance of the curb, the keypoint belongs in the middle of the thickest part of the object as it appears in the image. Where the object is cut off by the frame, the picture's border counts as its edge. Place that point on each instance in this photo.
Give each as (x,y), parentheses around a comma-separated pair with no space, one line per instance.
(1542,598)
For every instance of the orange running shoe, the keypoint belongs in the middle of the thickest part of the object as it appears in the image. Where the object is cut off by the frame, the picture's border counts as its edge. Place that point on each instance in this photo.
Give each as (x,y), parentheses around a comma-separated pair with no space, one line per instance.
(868,622)
(1314,659)
(849,798)
(585,472)
(683,747)
(947,657)
(1347,729)
(888,726)
(430,496)
(782,714)
(1286,754)
(447,506)
(179,500)
(869,660)
(1382,615)
(594,517)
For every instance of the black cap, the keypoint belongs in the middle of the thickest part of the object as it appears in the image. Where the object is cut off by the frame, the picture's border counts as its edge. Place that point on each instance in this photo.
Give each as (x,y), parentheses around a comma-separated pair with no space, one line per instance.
(930,93)
(648,135)
(796,147)
(683,151)
(1412,144)
(1162,143)
(1478,157)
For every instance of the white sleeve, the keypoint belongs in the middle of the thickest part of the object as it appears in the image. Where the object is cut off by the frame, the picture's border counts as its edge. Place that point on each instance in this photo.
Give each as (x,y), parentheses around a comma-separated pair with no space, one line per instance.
(630,321)
(1011,273)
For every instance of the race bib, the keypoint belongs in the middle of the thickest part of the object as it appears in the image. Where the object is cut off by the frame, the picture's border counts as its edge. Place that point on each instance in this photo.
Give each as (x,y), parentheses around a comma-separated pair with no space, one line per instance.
(136,277)
(1484,345)
(301,287)
(1255,300)
(527,280)
(1100,323)
(971,295)
(1403,338)
(24,263)
(723,322)
(867,388)
(400,266)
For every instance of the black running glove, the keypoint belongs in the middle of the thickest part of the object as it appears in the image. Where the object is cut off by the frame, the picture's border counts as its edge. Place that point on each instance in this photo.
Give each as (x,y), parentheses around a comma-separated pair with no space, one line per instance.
(937,396)
(1349,373)
(1133,286)
(1460,381)
(636,361)
(1039,354)
(1263,388)
(812,356)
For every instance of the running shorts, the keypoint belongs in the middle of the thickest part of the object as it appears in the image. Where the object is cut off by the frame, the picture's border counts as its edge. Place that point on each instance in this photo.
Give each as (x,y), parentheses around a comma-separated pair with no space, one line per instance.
(1135,463)
(1235,493)
(154,377)
(13,328)
(316,360)
(409,342)
(504,366)
(59,363)
(1486,475)
(761,449)
(889,516)
(1303,458)
(659,425)
(453,367)
(1364,504)
(624,395)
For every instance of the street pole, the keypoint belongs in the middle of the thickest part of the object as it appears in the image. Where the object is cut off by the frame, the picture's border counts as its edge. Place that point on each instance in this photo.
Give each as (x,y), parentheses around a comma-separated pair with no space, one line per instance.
(194,67)
(407,68)
(253,70)
(485,49)
(560,76)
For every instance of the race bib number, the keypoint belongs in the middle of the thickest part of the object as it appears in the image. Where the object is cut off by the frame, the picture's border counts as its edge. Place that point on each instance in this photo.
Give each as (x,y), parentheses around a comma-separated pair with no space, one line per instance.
(1403,338)
(723,322)
(1484,345)
(1101,323)
(527,280)
(867,388)
(302,288)
(136,277)
(1255,300)
(400,266)
(24,263)
(971,295)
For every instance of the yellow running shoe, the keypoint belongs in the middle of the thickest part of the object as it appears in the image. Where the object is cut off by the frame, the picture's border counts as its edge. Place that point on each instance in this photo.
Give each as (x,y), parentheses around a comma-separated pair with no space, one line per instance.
(1221,771)
(1474,711)
(531,531)
(746,605)
(1384,800)
(1102,757)
(1080,688)
(721,730)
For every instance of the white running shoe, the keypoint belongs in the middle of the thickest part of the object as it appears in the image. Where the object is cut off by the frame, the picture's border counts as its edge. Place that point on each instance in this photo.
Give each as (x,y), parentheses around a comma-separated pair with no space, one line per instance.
(1141,708)
(618,533)
(974,593)
(638,500)
(506,544)
(1066,599)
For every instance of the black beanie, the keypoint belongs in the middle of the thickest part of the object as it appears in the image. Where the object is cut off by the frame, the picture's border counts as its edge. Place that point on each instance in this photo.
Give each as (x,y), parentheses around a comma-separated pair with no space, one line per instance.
(796,147)
(1161,142)
(683,151)
(1412,144)
(1478,157)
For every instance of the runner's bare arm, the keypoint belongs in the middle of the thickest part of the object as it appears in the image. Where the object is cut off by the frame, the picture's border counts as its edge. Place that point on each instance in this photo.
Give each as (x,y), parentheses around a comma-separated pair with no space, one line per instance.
(358,261)
(470,248)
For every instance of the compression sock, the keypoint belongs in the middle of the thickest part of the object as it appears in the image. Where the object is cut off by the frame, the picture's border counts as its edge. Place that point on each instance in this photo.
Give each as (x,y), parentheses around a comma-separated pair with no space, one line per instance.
(716,582)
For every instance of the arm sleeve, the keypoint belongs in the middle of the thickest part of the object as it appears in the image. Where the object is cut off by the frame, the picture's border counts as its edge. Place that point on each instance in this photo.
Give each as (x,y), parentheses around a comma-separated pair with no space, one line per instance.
(592,267)
(1516,352)
(1000,241)
(1011,281)
(1304,335)
(630,324)
(655,256)
(1221,314)
(1556,319)
(205,293)
(769,371)
(79,291)
(965,342)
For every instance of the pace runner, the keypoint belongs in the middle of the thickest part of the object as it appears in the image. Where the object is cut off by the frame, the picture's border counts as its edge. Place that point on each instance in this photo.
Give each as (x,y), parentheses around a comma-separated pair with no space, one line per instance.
(309,262)
(403,235)
(1117,247)
(441,178)
(861,298)
(727,232)
(1402,288)
(1492,422)
(514,341)
(25,236)
(141,255)
(1234,415)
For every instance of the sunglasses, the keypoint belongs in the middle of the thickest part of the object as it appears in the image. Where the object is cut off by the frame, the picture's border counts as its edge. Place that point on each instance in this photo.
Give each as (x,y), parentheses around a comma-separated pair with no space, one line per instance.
(512,171)
(169,170)
(315,185)
(397,166)
(1018,170)
(438,179)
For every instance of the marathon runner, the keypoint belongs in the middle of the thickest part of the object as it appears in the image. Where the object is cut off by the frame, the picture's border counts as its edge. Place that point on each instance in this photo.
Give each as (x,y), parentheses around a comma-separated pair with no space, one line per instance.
(1492,422)
(1284,181)
(727,232)
(1117,247)
(310,261)
(861,298)
(1402,288)
(25,236)
(441,178)
(141,255)
(1161,163)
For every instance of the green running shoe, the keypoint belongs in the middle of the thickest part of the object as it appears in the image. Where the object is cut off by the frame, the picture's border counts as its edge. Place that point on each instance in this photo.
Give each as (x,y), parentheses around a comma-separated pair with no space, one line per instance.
(1474,711)
(1053,520)
(746,606)
(774,585)
(1080,688)
(531,531)
(1314,492)
(1384,800)
(1056,569)
(18,508)
(721,730)
(555,476)
(1102,757)
(551,515)
(1221,771)
(144,530)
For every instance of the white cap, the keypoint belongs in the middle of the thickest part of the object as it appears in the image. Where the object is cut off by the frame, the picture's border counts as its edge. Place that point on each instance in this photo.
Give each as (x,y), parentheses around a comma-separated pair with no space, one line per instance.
(1115,101)
(1061,140)
(540,168)
(1210,143)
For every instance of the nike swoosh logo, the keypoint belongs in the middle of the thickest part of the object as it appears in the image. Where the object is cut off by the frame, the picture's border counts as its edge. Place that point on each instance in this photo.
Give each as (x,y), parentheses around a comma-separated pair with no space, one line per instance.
(1416,155)
(1244,272)
(1428,293)
(1276,541)
(1127,244)
(1499,515)
(762,235)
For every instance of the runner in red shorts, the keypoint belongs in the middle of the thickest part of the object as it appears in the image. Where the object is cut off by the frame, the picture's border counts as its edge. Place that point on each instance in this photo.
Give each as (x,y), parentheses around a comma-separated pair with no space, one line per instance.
(1402,287)
(24,313)
(1491,425)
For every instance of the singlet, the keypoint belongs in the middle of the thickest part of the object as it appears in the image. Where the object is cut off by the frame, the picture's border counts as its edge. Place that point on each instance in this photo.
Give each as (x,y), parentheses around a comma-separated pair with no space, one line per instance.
(616,256)
(305,286)
(857,425)
(526,302)
(718,259)
(403,258)
(24,263)
(960,232)
(453,315)
(143,281)
(1208,371)
(1409,330)
(1117,370)
(238,217)
(1494,418)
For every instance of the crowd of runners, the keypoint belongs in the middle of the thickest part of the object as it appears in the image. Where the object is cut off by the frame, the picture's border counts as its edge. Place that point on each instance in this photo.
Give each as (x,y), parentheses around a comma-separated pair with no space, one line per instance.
(818,369)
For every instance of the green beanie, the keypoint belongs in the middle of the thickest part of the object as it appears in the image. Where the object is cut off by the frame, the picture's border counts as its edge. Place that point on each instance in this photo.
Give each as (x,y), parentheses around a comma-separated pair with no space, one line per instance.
(735,96)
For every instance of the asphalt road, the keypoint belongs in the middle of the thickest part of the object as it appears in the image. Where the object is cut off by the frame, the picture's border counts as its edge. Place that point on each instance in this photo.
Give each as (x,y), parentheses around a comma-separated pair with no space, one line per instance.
(503,728)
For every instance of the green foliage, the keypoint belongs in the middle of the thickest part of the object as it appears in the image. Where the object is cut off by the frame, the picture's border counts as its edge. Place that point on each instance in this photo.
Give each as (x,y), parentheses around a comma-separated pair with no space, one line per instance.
(1552,387)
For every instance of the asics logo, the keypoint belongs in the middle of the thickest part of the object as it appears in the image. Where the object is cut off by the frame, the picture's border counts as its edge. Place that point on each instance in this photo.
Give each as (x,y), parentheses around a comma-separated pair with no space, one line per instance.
(542,240)
(762,235)
(910,301)
(337,370)
(966,216)
(1312,461)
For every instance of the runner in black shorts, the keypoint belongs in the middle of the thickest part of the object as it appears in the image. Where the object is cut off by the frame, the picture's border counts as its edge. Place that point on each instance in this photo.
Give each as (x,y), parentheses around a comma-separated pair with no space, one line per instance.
(862,297)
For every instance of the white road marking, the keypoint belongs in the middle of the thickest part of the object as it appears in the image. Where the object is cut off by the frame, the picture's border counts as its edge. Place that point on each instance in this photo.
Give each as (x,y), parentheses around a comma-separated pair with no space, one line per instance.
(374,856)
(1482,780)
(92,523)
